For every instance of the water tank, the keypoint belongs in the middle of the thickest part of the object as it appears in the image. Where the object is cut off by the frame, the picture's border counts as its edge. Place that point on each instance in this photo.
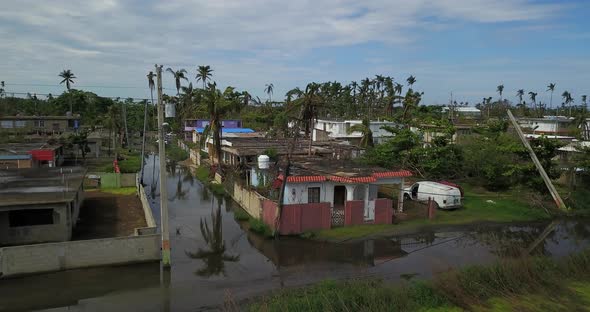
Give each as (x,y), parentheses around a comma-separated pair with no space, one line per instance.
(263,162)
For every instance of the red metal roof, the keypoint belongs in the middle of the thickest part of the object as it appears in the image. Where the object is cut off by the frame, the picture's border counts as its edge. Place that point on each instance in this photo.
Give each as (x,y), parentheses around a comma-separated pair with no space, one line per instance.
(305,179)
(393,174)
(352,179)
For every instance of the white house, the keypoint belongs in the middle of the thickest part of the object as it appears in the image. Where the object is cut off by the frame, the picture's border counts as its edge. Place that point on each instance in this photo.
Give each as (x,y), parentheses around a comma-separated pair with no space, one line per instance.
(554,125)
(324,130)
(464,111)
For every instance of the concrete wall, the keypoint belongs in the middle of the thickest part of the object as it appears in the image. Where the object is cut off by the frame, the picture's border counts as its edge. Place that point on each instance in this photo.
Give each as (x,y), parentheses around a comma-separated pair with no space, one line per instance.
(116,180)
(145,204)
(249,200)
(30,259)
(383,211)
(354,212)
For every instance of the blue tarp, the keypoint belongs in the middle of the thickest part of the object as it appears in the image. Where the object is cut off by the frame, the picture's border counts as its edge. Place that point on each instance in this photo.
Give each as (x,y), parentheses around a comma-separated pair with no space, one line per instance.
(229,130)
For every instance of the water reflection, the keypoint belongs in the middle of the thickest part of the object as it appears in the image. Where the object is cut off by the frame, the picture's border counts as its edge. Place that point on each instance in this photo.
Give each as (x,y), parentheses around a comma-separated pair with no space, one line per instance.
(215,255)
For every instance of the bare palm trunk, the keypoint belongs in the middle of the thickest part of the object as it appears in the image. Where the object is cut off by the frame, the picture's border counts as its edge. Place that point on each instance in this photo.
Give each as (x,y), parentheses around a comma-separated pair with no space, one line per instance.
(551,100)
(145,115)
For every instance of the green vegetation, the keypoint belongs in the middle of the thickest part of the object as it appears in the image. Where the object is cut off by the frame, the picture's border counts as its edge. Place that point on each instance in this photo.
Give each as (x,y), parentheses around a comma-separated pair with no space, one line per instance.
(119,191)
(241,215)
(259,227)
(477,208)
(203,174)
(130,164)
(518,284)
(175,153)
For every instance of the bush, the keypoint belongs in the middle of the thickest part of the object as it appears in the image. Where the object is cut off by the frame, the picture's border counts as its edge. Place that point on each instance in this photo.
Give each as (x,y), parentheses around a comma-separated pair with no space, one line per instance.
(241,215)
(259,227)
(175,153)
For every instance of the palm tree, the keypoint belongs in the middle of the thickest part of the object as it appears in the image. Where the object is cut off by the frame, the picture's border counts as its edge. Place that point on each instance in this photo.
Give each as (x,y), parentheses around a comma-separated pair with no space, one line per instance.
(218,105)
(568,100)
(365,130)
(178,76)
(551,87)
(68,77)
(269,90)
(204,73)
(520,94)
(584,97)
(500,90)
(215,256)
(533,97)
(411,81)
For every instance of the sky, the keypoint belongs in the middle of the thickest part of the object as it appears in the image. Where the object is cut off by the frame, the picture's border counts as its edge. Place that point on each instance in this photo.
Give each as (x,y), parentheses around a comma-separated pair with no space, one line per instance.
(467,47)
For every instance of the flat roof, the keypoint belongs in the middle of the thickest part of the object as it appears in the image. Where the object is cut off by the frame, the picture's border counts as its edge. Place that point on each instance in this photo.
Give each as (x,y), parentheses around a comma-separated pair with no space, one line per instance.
(20,187)
(228,130)
(8,149)
(257,146)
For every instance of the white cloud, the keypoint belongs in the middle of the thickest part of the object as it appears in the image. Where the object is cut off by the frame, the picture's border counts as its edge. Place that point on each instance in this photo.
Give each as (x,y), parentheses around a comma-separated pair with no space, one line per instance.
(247,42)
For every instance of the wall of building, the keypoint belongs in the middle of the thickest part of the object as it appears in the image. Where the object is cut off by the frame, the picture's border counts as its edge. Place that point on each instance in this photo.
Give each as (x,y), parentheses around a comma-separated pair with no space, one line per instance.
(39,258)
(297,193)
(60,230)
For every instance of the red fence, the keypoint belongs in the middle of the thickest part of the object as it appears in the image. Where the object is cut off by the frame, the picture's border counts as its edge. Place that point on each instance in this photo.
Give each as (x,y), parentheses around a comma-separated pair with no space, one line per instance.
(383,211)
(296,219)
(354,213)
(269,213)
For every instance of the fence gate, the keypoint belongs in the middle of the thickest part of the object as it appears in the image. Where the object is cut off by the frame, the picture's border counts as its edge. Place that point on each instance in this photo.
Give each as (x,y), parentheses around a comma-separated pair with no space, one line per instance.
(337,216)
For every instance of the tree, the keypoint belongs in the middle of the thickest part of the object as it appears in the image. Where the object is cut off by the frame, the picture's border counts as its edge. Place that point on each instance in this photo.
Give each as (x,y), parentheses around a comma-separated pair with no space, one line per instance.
(500,90)
(178,76)
(551,87)
(366,134)
(204,73)
(411,81)
(533,97)
(520,94)
(584,97)
(218,105)
(68,77)
(269,90)
(568,100)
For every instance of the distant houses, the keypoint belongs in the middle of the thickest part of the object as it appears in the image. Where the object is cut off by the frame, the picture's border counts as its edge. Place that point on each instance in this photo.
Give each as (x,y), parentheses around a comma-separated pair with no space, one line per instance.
(30,155)
(39,124)
(325,129)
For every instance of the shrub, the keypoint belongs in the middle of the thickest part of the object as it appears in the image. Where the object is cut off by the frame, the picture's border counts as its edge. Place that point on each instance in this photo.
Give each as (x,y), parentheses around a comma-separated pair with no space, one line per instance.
(241,215)
(259,227)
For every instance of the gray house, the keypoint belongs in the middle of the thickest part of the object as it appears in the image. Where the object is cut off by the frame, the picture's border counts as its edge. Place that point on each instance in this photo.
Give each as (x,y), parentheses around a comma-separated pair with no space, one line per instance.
(39,205)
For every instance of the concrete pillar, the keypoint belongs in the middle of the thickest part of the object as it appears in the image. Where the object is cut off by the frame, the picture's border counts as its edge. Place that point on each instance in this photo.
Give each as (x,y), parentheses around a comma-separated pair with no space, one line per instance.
(400,199)
(349,192)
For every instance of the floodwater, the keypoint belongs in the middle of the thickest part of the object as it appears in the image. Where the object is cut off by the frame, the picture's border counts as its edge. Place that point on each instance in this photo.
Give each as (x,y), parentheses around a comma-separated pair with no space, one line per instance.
(214,261)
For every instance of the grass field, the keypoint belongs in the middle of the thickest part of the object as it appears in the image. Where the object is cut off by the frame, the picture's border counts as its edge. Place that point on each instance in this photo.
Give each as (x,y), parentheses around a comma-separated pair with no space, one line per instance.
(518,284)
(117,191)
(478,207)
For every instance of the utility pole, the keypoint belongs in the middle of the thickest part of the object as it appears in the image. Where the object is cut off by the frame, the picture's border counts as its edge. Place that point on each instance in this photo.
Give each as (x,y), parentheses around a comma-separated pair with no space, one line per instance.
(558,201)
(125,123)
(163,184)
(145,115)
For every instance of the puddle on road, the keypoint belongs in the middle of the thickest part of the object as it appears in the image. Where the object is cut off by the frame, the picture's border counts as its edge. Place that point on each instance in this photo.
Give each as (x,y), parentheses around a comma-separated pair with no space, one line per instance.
(214,259)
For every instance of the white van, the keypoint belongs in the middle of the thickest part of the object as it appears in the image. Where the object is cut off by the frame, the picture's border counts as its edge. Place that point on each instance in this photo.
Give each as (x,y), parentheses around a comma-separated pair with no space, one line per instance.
(445,196)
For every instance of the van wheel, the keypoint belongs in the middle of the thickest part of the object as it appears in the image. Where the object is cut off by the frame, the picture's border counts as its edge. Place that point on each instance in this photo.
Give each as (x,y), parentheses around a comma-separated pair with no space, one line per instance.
(407,197)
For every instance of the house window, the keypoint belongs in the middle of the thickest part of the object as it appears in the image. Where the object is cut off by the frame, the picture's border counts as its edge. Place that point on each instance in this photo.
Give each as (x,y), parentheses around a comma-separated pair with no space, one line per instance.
(30,217)
(39,123)
(313,195)
(20,124)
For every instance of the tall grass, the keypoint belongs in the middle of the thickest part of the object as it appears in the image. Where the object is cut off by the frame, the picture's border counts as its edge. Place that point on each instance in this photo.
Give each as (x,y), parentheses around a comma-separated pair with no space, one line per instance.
(455,290)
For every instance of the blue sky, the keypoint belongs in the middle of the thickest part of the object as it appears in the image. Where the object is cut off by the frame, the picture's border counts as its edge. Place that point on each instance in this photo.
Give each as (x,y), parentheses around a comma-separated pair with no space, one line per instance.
(467,47)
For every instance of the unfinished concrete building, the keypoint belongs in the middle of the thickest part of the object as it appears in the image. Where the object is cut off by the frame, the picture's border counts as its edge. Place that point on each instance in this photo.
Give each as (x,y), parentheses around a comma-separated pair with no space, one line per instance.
(39,205)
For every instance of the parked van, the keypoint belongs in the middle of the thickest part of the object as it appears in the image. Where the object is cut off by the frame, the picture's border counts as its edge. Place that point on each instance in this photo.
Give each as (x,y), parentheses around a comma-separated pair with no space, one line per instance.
(445,196)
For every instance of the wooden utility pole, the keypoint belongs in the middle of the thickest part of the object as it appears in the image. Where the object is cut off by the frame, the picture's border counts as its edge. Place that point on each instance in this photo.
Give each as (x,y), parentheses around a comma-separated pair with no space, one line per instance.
(558,201)
(163,184)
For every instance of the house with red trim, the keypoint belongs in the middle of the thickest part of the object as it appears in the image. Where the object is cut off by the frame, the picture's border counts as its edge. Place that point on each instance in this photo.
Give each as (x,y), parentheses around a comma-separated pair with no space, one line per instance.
(323,193)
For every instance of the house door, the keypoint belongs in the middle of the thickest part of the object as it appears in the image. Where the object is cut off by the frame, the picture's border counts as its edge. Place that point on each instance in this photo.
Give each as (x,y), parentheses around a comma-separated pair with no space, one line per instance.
(339,195)
(338,209)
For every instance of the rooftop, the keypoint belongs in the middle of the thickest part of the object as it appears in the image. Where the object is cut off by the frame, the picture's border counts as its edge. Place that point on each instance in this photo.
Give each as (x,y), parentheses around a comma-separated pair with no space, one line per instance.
(257,146)
(318,169)
(228,130)
(39,185)
(13,149)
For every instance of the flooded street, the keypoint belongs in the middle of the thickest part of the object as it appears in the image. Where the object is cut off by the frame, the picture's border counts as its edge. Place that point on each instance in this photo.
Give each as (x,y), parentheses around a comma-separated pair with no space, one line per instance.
(215,260)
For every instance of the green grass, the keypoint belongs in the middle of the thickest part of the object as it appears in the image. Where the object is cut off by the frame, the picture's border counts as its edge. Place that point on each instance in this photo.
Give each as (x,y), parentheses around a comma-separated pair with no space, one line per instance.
(119,191)
(506,207)
(131,164)
(517,284)
(202,173)
(241,215)
(259,227)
